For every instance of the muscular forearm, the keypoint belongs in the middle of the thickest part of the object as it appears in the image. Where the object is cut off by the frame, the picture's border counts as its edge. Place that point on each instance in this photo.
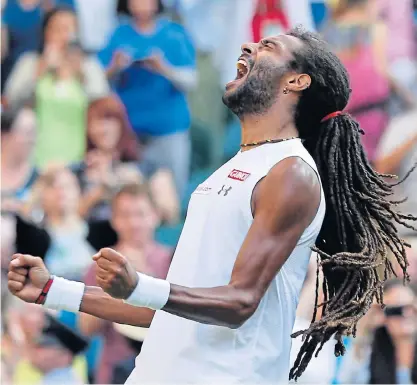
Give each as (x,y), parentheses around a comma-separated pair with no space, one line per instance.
(99,304)
(223,305)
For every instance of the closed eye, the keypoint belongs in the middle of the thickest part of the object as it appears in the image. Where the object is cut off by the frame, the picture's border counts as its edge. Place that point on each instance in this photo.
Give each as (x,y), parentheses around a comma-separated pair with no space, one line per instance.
(268,43)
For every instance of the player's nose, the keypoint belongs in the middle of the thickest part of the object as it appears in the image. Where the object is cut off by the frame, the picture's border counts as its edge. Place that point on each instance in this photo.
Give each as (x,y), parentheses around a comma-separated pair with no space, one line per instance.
(248,48)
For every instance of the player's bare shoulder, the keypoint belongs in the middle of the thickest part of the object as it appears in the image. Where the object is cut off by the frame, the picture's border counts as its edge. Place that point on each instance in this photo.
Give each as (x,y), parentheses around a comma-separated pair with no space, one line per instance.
(291,187)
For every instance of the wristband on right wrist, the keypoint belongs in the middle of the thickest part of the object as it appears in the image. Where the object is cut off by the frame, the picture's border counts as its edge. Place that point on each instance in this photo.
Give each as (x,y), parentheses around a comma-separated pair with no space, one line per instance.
(64,295)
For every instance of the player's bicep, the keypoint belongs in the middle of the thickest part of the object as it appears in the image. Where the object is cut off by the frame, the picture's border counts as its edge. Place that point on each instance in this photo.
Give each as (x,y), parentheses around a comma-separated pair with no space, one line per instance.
(286,203)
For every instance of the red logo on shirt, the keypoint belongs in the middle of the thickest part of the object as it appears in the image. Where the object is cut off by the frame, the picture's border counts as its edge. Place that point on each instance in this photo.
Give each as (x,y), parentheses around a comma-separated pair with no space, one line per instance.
(238,175)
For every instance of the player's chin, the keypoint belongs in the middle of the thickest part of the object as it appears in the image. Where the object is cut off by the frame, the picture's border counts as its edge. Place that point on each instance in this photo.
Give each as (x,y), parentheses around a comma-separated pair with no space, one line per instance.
(234,85)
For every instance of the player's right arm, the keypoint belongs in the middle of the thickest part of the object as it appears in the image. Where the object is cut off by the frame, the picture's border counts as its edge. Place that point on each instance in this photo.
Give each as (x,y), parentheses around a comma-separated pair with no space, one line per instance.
(28,275)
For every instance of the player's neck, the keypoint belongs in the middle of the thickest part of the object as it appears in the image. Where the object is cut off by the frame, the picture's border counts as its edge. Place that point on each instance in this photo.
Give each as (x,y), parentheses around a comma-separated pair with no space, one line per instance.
(272,125)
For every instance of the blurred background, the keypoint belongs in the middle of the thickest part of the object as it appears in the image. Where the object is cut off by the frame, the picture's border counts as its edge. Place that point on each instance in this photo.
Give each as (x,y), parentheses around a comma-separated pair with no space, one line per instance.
(111,115)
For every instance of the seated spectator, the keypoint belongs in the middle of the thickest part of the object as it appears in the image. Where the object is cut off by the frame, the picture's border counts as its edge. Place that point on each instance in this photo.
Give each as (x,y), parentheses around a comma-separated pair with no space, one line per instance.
(63,239)
(134,219)
(359,39)
(111,161)
(150,62)
(62,79)
(384,351)
(41,350)
(54,351)
(69,253)
(18,135)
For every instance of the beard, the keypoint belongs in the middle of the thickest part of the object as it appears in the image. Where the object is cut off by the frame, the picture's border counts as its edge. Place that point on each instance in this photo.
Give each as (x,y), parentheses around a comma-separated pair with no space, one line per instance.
(258,92)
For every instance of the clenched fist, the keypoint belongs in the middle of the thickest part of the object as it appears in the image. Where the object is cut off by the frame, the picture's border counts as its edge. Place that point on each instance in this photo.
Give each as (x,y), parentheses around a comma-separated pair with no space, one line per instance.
(27,277)
(114,274)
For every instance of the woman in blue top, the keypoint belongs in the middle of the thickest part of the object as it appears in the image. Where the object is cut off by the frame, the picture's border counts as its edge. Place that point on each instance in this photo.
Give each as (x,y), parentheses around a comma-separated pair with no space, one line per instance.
(150,62)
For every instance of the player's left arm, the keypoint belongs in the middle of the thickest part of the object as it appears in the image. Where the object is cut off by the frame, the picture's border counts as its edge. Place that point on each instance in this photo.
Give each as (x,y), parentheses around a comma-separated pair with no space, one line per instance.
(284,203)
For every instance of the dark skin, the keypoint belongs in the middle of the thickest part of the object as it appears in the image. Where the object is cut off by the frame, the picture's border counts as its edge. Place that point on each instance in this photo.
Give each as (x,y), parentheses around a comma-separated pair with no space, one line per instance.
(280,217)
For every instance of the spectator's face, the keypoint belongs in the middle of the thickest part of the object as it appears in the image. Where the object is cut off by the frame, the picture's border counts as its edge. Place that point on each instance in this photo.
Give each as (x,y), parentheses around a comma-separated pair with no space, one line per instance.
(61,29)
(105,133)
(404,326)
(134,219)
(143,9)
(62,196)
(21,140)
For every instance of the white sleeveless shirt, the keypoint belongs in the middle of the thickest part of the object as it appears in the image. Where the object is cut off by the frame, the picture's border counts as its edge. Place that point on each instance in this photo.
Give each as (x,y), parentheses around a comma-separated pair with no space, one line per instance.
(177,350)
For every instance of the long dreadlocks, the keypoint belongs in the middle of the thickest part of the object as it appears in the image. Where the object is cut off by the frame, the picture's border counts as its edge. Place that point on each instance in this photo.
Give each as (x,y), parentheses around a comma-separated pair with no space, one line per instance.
(359,226)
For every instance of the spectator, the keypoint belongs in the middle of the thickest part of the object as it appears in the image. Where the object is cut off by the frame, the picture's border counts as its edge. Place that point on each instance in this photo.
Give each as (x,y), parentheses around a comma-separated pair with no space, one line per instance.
(360,41)
(384,351)
(69,253)
(21,31)
(53,353)
(112,161)
(134,219)
(110,141)
(64,240)
(150,62)
(18,135)
(62,79)
(31,335)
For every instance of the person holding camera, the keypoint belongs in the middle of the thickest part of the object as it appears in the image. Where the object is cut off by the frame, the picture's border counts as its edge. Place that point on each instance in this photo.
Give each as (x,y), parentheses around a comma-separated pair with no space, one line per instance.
(384,350)
(61,79)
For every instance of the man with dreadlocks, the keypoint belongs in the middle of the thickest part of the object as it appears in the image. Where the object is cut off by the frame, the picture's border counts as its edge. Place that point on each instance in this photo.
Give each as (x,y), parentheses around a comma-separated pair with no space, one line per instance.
(301,181)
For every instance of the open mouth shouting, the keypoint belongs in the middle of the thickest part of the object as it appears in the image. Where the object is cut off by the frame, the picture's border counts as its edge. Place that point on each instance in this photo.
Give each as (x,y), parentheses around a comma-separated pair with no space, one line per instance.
(243,69)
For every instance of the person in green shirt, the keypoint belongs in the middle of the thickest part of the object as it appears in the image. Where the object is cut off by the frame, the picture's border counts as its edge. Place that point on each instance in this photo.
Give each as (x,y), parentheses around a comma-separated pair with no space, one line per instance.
(62,79)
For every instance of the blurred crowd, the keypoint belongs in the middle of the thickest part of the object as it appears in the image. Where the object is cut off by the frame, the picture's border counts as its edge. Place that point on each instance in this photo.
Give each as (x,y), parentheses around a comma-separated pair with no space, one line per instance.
(111,115)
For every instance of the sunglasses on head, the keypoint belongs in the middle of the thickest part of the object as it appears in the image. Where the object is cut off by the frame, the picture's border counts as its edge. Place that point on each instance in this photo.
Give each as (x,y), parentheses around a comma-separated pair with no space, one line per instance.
(395,311)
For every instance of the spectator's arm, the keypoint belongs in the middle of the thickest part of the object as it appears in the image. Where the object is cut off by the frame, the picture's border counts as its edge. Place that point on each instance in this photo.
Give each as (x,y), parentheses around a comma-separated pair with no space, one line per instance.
(182,78)
(22,80)
(180,63)
(95,81)
(390,163)
(90,199)
(108,56)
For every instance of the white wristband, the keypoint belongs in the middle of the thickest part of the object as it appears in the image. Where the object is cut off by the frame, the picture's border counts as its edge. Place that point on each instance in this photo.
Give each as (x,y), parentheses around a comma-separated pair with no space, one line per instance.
(150,292)
(64,295)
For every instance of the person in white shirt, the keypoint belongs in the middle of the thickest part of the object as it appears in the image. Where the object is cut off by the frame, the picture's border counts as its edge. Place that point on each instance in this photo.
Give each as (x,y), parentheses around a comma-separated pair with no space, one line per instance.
(226,310)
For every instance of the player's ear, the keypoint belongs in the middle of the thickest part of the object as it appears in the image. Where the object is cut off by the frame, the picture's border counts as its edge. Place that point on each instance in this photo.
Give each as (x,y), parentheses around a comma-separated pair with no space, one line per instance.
(297,82)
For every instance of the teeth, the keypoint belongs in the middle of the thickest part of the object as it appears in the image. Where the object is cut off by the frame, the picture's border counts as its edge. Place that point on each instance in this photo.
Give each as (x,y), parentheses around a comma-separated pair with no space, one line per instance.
(241,63)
